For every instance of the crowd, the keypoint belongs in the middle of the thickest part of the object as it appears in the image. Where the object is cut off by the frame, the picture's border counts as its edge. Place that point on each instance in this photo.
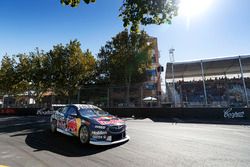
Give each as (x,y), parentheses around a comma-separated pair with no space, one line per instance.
(219,91)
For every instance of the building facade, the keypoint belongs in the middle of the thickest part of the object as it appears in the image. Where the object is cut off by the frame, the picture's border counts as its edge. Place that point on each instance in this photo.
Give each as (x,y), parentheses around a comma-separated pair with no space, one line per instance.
(152,87)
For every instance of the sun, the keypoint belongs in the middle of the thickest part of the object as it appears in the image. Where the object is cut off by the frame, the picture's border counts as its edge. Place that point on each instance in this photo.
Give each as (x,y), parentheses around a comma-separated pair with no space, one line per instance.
(193,8)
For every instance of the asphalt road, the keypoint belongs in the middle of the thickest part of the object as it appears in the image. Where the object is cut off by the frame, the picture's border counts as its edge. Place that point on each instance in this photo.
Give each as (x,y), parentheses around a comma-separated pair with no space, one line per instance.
(27,141)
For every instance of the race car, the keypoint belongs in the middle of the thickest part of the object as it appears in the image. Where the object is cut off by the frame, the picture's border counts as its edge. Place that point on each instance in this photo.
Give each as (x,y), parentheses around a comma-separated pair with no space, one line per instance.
(90,124)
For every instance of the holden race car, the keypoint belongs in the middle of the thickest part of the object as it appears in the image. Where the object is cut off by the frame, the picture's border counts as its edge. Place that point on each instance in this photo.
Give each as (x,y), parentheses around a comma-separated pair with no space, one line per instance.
(90,124)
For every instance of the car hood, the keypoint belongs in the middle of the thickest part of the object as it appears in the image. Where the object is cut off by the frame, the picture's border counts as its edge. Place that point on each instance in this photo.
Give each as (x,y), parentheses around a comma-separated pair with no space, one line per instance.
(107,120)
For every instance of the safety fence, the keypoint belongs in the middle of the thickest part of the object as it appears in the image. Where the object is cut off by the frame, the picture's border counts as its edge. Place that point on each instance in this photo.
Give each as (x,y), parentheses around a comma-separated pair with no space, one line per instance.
(136,95)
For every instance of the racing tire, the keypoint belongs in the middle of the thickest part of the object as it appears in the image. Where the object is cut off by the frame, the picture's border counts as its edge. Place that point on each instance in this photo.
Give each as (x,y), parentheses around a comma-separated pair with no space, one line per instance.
(53,126)
(84,135)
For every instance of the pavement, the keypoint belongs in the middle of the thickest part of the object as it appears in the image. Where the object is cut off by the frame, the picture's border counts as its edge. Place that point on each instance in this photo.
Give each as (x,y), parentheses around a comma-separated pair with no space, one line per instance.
(27,142)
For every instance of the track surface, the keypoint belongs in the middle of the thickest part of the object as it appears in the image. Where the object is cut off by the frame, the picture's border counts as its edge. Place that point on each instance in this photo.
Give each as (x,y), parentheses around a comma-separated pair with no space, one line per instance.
(27,141)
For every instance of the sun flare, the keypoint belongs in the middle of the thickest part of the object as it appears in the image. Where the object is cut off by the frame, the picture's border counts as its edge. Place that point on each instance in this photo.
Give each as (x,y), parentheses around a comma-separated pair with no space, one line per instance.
(193,8)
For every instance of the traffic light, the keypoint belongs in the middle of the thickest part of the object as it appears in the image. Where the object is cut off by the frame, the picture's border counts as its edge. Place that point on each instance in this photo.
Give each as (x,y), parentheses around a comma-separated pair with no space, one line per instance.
(160,68)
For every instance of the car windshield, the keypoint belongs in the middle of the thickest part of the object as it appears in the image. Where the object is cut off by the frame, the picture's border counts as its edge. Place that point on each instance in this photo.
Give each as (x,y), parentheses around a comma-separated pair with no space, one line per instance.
(92,112)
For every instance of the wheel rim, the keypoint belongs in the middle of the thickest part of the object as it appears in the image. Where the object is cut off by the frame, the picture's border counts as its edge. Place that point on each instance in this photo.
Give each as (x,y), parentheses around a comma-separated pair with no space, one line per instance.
(84,135)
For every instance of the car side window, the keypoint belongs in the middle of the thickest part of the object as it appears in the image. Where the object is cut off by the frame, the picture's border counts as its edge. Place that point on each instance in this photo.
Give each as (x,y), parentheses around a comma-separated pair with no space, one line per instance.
(71,110)
(64,110)
(60,109)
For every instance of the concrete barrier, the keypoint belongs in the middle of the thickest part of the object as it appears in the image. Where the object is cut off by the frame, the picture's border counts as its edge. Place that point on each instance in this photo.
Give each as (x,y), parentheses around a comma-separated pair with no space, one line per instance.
(18,111)
(182,113)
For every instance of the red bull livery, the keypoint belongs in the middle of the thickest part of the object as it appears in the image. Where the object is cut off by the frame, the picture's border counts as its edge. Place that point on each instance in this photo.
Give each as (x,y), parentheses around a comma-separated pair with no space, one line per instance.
(90,124)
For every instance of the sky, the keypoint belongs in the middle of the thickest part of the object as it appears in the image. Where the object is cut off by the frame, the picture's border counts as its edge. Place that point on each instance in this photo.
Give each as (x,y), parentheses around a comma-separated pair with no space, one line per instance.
(222,30)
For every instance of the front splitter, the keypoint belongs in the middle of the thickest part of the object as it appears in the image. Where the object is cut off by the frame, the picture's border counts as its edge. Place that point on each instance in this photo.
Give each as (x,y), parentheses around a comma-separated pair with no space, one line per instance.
(104,143)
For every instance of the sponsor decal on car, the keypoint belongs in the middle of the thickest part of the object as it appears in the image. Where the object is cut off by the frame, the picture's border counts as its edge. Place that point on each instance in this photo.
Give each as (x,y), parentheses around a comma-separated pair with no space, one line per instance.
(109,138)
(61,124)
(108,120)
(99,137)
(99,127)
(99,132)
(72,125)
(78,125)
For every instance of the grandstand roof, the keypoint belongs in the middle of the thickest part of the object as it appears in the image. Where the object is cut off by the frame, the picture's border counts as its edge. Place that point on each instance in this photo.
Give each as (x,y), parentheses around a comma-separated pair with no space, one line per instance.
(212,67)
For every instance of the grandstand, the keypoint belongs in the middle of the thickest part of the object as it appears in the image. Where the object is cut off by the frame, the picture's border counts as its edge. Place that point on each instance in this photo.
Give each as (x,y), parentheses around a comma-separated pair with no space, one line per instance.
(220,82)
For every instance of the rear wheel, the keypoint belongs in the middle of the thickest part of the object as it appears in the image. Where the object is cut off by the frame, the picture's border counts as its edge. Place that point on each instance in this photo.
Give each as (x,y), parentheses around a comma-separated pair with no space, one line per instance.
(84,135)
(53,126)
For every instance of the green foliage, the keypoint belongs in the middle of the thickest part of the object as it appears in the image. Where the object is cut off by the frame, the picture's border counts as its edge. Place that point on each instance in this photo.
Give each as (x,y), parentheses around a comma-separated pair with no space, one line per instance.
(136,12)
(68,68)
(61,70)
(74,3)
(22,71)
(125,58)
(8,75)
(38,73)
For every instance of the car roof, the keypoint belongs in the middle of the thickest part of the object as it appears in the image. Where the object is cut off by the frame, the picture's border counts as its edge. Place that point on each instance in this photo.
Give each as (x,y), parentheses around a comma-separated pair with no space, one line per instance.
(79,106)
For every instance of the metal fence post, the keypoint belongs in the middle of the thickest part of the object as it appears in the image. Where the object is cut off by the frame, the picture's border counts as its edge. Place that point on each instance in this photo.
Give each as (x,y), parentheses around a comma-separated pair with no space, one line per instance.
(204,84)
(243,80)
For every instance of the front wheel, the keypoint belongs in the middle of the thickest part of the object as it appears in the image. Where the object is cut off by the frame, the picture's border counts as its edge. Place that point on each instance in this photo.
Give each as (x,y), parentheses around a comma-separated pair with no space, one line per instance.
(84,135)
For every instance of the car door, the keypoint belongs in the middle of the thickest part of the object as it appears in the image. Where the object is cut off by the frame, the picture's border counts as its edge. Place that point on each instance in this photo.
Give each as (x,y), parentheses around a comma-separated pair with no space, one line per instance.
(61,121)
(72,120)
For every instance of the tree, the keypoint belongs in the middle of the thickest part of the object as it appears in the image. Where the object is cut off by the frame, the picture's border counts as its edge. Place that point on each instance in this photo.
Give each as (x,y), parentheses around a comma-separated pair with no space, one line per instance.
(74,3)
(23,78)
(38,73)
(68,68)
(145,12)
(62,70)
(104,64)
(126,58)
(8,75)
(136,12)
(89,71)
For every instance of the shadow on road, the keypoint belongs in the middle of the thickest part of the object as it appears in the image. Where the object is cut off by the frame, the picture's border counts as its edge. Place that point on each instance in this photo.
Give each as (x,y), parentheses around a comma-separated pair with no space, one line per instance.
(36,134)
(62,144)
(22,124)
